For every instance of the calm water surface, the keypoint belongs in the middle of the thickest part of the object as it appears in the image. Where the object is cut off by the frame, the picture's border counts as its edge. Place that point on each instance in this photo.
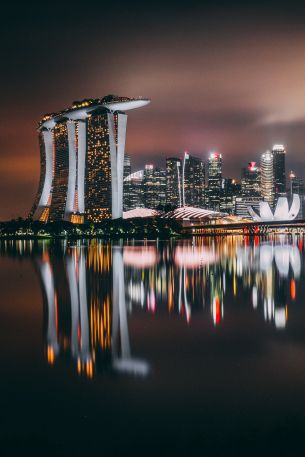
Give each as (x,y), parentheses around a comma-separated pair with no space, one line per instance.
(190,347)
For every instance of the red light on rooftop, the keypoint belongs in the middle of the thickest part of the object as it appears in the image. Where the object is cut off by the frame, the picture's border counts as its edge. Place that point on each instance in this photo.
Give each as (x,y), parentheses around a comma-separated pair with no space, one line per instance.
(252,166)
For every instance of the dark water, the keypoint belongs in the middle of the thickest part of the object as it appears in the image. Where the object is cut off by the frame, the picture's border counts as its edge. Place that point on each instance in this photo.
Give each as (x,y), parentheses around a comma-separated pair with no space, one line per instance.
(189,347)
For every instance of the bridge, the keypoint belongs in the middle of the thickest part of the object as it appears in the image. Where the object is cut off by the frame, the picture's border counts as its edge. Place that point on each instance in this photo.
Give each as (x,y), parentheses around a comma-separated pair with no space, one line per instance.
(245,228)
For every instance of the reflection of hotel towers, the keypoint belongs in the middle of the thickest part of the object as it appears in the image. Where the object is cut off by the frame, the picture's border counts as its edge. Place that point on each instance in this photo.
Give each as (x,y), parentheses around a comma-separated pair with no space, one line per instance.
(82,157)
(95,330)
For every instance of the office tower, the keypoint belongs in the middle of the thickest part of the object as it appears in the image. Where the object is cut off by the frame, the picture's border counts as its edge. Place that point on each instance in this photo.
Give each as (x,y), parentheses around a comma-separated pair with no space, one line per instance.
(193,181)
(279,156)
(127,166)
(173,182)
(250,190)
(267,178)
(126,182)
(296,186)
(133,191)
(251,181)
(230,190)
(154,185)
(82,159)
(214,181)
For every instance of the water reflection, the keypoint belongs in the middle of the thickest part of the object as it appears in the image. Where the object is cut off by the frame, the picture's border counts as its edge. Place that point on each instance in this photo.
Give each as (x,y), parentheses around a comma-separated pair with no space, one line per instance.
(90,288)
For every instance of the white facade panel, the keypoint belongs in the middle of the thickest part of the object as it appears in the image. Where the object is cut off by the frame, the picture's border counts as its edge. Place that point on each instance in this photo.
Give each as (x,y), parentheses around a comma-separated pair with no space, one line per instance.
(81,165)
(46,191)
(72,169)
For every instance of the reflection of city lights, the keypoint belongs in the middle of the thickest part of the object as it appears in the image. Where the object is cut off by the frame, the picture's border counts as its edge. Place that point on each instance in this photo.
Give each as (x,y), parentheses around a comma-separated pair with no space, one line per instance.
(193,256)
(280,318)
(50,355)
(292,289)
(217,310)
(140,257)
(254,297)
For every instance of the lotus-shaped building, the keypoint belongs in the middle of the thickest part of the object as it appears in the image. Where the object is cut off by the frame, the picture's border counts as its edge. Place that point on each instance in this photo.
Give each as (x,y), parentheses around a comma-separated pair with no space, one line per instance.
(282,211)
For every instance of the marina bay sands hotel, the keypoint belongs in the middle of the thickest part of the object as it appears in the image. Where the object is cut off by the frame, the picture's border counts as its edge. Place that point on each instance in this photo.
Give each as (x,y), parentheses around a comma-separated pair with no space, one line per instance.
(82,159)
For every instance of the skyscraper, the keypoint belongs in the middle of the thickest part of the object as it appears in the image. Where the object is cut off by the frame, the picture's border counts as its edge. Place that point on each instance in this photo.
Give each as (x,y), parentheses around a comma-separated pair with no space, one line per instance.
(297,187)
(214,181)
(279,156)
(251,181)
(173,182)
(133,191)
(82,159)
(267,177)
(230,190)
(250,190)
(126,182)
(154,185)
(193,181)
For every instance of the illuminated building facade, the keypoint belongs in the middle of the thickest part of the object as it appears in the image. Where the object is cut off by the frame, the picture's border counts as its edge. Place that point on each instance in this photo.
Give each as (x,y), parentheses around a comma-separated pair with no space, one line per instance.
(133,191)
(154,187)
(296,186)
(279,169)
(251,181)
(250,194)
(230,190)
(173,182)
(193,181)
(214,181)
(267,178)
(82,161)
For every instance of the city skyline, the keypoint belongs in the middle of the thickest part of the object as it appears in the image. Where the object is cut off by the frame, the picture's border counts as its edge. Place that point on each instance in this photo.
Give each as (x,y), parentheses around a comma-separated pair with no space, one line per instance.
(232,81)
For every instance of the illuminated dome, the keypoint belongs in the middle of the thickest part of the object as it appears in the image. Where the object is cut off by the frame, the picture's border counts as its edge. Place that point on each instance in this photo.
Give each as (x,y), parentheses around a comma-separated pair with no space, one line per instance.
(281,212)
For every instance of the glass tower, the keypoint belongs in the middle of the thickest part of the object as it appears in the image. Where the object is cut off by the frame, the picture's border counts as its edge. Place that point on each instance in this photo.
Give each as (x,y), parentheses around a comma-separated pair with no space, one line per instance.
(267,178)
(214,181)
(279,159)
(193,180)
(173,182)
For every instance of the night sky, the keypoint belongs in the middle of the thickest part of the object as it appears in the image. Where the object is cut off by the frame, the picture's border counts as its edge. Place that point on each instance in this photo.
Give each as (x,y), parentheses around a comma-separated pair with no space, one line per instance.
(221,76)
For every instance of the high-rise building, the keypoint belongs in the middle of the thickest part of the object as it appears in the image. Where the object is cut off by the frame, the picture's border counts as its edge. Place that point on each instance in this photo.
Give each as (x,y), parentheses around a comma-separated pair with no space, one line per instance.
(214,181)
(251,181)
(250,190)
(127,166)
(297,187)
(279,156)
(154,185)
(267,178)
(126,182)
(173,182)
(193,181)
(82,160)
(133,191)
(230,190)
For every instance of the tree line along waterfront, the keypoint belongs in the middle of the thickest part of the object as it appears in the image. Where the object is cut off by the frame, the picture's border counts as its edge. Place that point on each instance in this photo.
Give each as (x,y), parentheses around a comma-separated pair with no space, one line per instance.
(139,228)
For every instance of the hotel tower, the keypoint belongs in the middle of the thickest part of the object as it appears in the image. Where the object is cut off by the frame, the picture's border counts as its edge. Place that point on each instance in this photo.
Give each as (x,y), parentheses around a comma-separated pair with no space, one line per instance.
(82,160)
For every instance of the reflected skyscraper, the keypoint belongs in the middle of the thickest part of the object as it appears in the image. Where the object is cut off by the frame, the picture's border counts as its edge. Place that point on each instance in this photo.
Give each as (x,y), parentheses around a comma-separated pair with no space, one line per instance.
(89,319)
